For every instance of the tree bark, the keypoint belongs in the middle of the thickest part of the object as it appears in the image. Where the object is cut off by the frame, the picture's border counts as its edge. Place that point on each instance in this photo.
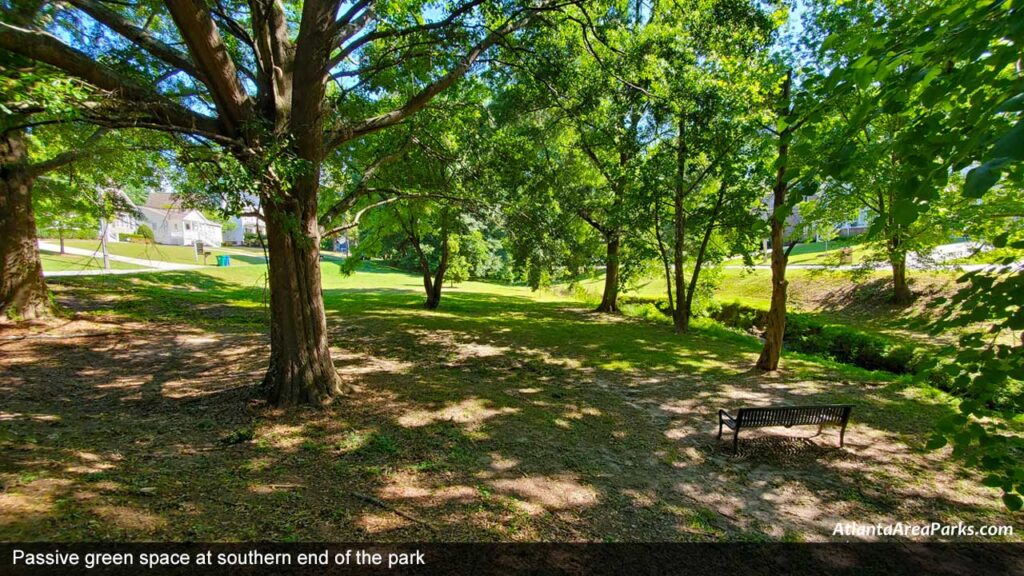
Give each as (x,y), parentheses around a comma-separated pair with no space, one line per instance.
(301,370)
(664,261)
(901,293)
(701,253)
(776,324)
(610,299)
(679,321)
(23,293)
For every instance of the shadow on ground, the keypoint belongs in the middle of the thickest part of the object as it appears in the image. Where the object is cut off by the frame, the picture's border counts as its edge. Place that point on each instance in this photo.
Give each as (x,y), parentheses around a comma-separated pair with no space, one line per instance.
(496,417)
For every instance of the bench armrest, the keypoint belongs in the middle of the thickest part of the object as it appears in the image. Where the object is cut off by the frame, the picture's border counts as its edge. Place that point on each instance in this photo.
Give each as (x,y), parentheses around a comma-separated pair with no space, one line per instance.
(724,416)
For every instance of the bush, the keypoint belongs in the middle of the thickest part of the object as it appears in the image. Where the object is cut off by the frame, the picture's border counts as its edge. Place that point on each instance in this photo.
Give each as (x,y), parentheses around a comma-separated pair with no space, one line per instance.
(657,304)
(145,232)
(809,336)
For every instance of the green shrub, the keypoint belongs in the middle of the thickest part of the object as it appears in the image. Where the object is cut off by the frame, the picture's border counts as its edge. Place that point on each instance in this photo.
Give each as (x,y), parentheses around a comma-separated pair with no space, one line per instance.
(809,336)
(145,232)
(658,303)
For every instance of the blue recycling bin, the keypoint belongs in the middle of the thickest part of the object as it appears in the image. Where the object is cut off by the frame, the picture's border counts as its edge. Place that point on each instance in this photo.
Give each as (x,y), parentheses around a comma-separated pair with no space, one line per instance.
(223,260)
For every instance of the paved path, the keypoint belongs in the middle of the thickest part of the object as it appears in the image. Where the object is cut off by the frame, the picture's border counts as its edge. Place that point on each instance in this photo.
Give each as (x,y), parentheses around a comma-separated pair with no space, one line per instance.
(884,266)
(144,264)
(141,262)
(100,272)
(939,254)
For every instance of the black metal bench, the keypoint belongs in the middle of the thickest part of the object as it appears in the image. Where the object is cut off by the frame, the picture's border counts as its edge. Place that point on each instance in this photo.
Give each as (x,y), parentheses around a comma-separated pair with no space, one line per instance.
(785,416)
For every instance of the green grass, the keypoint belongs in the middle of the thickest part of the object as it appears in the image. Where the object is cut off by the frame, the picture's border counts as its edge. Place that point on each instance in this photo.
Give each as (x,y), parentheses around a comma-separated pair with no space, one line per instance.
(817,253)
(504,415)
(240,255)
(53,262)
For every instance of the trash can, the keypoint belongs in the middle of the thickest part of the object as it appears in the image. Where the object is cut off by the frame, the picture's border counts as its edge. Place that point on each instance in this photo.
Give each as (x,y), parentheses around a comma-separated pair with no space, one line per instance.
(223,260)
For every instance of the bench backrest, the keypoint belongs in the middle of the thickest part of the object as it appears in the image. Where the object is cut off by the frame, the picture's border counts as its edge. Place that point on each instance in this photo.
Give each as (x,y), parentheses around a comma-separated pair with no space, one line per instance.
(794,415)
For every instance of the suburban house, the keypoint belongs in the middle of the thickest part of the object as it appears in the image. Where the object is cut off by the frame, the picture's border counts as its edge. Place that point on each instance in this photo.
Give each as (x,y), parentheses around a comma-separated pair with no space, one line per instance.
(245,226)
(171,224)
(856,226)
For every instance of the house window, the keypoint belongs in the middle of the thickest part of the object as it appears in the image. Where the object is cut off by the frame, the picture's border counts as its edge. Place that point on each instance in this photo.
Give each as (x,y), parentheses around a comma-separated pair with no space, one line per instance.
(188,226)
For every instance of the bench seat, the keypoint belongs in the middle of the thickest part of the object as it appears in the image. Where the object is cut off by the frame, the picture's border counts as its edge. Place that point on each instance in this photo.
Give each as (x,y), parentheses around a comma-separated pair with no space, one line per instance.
(809,415)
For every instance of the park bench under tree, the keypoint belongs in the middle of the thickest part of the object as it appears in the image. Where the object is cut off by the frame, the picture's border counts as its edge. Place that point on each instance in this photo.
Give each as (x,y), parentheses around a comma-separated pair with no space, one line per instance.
(817,415)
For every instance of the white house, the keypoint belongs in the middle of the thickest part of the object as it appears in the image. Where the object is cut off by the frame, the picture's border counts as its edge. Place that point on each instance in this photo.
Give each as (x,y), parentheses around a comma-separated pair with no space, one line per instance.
(170,223)
(121,224)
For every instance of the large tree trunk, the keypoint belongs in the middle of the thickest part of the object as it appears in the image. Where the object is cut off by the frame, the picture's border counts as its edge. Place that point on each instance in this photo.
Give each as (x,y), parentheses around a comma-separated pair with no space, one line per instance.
(610,299)
(776,324)
(23,293)
(901,293)
(301,370)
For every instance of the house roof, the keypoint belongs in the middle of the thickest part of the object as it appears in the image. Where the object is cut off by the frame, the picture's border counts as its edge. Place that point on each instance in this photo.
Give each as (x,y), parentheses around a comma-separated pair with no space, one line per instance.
(162,200)
(160,215)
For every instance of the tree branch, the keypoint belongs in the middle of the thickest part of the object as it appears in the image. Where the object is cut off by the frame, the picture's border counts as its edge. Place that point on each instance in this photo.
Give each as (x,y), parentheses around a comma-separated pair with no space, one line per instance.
(418,101)
(85,149)
(43,47)
(203,39)
(138,36)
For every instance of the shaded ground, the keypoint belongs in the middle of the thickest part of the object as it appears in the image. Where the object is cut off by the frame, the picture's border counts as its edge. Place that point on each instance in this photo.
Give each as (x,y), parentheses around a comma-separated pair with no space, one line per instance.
(499,417)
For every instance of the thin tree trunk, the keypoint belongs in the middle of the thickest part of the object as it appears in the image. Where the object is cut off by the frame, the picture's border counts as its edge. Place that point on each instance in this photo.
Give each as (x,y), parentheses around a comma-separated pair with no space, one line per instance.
(679,229)
(442,266)
(610,299)
(301,370)
(678,251)
(23,293)
(701,253)
(60,232)
(434,296)
(901,293)
(664,261)
(776,324)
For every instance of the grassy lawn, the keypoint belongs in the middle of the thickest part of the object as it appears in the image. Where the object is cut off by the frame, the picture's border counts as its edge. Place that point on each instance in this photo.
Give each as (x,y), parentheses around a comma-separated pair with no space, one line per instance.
(240,255)
(816,253)
(835,296)
(53,262)
(504,415)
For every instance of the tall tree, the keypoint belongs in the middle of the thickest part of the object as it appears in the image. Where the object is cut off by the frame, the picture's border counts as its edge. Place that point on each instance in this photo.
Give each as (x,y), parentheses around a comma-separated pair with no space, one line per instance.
(277,85)
(953,70)
(23,292)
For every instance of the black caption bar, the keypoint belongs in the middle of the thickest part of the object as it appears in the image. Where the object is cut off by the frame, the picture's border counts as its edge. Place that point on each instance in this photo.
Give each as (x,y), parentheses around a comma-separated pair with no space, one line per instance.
(514,559)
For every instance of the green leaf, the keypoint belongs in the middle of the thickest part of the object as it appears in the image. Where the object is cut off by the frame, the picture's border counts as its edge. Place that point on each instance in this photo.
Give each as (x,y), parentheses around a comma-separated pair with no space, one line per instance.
(1013,501)
(1011,145)
(937,441)
(992,481)
(980,179)
(1000,241)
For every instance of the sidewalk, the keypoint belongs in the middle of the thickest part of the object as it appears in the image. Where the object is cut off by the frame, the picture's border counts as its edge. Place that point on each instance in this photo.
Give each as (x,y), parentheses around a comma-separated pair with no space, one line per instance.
(141,262)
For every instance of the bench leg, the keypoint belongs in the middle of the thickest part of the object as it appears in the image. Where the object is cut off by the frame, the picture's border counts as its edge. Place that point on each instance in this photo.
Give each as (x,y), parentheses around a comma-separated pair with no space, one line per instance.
(735,441)
(719,426)
(842,434)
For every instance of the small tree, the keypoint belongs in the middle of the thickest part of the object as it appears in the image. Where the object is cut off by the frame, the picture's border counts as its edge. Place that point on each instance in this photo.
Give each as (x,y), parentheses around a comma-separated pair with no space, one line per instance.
(145,232)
